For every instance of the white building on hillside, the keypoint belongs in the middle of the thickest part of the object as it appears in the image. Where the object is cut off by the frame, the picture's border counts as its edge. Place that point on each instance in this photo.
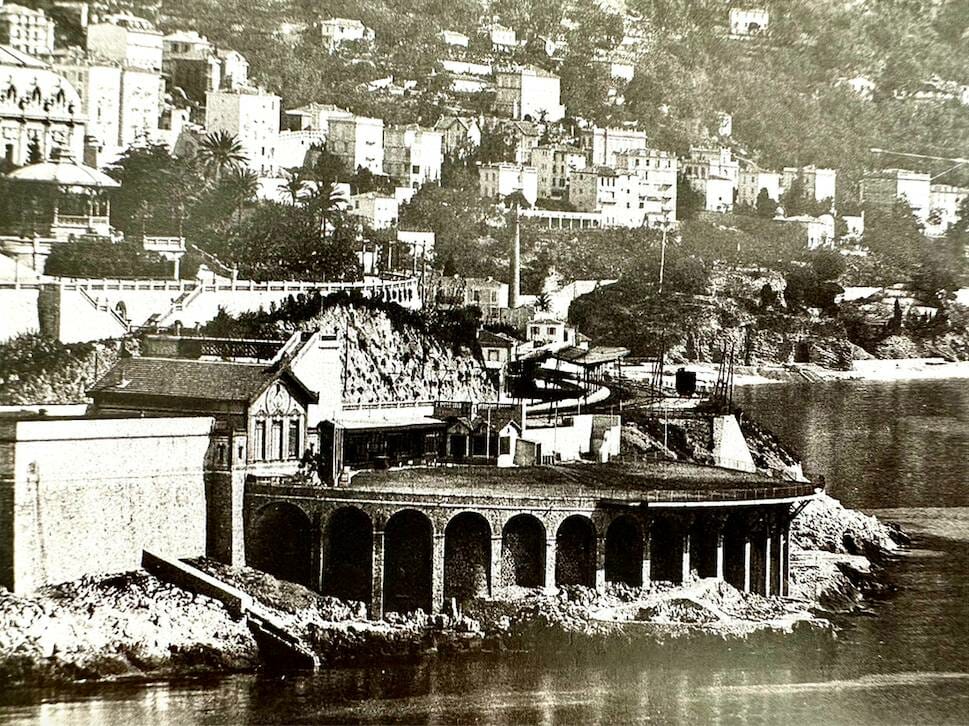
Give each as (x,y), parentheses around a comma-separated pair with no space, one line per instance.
(451,37)
(251,115)
(315,116)
(458,132)
(529,93)
(358,141)
(752,181)
(337,31)
(502,38)
(818,231)
(819,184)
(555,165)
(413,155)
(944,204)
(748,21)
(657,171)
(127,39)
(620,198)
(715,174)
(884,187)
(497,181)
(26,30)
(602,145)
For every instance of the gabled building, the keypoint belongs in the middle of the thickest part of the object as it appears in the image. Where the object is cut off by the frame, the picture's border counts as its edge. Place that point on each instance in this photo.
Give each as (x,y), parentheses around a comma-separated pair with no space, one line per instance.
(335,32)
(458,132)
(657,171)
(497,181)
(315,116)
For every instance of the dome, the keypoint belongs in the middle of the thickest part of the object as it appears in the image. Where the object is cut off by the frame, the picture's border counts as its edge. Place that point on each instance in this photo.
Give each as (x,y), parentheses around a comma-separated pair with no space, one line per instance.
(64,172)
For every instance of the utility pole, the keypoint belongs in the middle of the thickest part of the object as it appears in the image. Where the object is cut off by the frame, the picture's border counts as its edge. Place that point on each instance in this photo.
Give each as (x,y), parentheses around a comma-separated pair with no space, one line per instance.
(958,161)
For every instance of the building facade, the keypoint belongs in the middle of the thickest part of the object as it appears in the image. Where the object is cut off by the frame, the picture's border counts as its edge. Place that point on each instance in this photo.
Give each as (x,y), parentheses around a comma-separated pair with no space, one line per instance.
(715,174)
(413,155)
(458,132)
(336,31)
(252,116)
(358,141)
(603,144)
(26,30)
(884,188)
(752,181)
(945,202)
(555,165)
(657,171)
(819,184)
(127,39)
(529,93)
(497,181)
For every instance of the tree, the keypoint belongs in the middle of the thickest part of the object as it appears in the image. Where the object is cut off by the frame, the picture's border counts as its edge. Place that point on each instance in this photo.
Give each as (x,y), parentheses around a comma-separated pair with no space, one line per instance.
(241,185)
(766,205)
(219,151)
(828,264)
(295,186)
(543,302)
(689,202)
(893,235)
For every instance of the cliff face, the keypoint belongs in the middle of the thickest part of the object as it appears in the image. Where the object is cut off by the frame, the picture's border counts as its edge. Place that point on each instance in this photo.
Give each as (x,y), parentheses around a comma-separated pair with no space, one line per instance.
(386,360)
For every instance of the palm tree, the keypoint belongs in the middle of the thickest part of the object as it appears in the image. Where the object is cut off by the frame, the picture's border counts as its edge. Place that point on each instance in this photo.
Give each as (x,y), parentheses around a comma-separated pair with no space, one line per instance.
(295,185)
(543,302)
(220,151)
(242,185)
(329,199)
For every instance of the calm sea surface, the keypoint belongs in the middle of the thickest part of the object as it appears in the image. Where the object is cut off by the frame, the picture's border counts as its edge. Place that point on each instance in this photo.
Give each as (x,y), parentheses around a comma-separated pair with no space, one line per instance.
(898,449)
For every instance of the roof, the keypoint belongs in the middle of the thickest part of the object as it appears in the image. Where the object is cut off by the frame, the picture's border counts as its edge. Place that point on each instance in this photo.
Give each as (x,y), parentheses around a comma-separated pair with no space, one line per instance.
(180,378)
(64,171)
(594,356)
(12,57)
(496,340)
(414,420)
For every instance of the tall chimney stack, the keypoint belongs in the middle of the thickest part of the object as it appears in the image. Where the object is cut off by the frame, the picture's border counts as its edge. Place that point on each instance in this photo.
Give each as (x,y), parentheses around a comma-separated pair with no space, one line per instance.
(514,289)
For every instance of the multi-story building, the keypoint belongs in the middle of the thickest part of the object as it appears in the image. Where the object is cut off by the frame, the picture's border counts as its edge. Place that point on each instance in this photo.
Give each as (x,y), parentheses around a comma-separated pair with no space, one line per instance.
(602,145)
(192,63)
(555,165)
(502,38)
(235,68)
(412,155)
(379,211)
(620,198)
(529,93)
(819,184)
(714,173)
(122,103)
(748,21)
(315,117)
(358,141)
(337,31)
(38,108)
(883,188)
(945,202)
(657,171)
(458,132)
(252,116)
(752,181)
(26,30)
(497,181)
(127,39)
(818,231)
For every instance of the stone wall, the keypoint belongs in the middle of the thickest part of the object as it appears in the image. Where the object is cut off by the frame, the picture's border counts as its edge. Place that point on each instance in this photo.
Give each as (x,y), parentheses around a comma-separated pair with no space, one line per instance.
(82,496)
(20,311)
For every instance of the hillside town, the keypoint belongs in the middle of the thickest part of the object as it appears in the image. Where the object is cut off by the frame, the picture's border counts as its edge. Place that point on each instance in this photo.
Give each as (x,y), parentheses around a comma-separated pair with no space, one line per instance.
(408,326)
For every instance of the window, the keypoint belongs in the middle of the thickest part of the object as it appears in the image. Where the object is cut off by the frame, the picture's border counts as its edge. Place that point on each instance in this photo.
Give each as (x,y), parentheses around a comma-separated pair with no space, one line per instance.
(493,355)
(504,445)
(293,448)
(259,445)
(551,330)
(276,442)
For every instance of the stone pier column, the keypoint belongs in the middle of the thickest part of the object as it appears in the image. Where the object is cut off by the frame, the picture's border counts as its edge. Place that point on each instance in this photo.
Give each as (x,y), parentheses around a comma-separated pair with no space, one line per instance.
(686,552)
(600,563)
(377,577)
(647,554)
(786,559)
(320,555)
(767,562)
(437,574)
(494,578)
(747,556)
(720,575)
(550,564)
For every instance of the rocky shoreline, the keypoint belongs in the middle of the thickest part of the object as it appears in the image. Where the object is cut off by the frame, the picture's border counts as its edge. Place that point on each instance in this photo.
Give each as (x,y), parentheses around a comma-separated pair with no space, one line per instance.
(135,626)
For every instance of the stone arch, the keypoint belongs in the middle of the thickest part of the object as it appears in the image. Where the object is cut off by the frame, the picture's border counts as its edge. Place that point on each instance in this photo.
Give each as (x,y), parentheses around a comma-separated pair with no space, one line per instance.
(523,552)
(734,550)
(624,551)
(467,557)
(349,555)
(408,560)
(575,552)
(704,532)
(280,542)
(666,550)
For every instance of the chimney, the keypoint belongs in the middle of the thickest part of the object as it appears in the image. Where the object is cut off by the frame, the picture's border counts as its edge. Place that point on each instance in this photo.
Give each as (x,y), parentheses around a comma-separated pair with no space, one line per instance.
(514,288)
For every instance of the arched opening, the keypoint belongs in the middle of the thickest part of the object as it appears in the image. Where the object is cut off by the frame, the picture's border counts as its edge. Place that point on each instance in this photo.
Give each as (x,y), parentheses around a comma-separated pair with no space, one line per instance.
(523,552)
(703,546)
(349,555)
(575,552)
(408,555)
(624,551)
(666,550)
(280,542)
(734,561)
(467,557)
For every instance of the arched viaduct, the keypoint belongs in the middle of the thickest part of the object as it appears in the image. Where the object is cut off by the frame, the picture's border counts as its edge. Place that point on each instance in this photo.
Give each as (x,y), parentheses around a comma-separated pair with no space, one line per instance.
(401,545)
